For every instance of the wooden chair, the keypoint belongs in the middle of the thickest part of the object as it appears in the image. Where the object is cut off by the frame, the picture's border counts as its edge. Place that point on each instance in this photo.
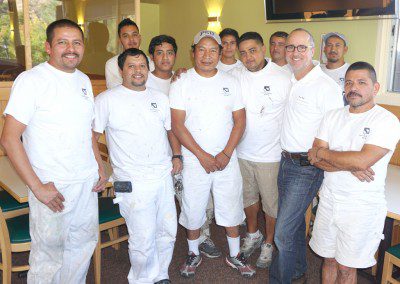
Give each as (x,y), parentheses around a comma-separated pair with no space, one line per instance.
(109,219)
(14,237)
(392,257)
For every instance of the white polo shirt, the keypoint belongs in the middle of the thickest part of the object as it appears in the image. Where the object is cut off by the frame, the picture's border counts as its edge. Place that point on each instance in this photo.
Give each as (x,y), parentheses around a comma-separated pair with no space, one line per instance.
(309,99)
(228,67)
(113,77)
(208,103)
(337,74)
(345,131)
(136,125)
(158,84)
(58,109)
(265,94)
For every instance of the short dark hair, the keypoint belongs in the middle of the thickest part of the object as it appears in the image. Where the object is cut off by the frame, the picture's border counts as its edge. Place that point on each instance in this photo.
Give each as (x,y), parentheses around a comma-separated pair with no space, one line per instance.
(124,23)
(60,24)
(230,32)
(131,52)
(159,40)
(361,65)
(251,35)
(278,34)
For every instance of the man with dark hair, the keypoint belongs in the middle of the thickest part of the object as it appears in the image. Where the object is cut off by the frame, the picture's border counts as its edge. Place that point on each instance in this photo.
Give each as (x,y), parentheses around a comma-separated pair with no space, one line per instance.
(277,42)
(312,94)
(208,117)
(129,37)
(229,40)
(335,49)
(265,88)
(353,146)
(137,123)
(162,50)
(51,107)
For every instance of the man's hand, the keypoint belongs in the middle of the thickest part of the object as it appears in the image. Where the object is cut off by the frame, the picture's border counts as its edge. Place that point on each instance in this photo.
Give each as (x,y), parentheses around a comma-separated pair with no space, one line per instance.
(101,183)
(312,155)
(177,166)
(222,160)
(208,162)
(51,197)
(367,175)
(177,74)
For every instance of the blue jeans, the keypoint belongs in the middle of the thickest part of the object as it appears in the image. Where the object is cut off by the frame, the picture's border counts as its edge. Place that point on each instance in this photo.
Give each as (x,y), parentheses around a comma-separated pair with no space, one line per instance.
(297,187)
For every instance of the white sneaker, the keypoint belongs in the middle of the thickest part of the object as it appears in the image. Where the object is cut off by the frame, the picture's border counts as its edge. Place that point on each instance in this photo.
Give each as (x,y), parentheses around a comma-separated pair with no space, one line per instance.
(265,258)
(250,245)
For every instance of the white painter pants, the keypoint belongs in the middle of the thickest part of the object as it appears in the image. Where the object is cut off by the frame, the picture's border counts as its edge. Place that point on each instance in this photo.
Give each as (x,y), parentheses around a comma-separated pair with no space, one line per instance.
(150,215)
(63,243)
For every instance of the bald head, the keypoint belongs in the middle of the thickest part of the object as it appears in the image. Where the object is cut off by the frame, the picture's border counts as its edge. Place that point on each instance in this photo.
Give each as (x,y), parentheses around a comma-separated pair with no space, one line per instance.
(304,32)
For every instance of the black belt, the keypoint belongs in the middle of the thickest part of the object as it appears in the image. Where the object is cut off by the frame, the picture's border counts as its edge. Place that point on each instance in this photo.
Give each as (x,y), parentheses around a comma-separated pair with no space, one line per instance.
(294,156)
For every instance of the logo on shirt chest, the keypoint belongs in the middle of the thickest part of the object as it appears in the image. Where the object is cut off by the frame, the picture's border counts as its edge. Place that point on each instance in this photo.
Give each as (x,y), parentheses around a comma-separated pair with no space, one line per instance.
(225,91)
(365,133)
(84,93)
(153,107)
(341,80)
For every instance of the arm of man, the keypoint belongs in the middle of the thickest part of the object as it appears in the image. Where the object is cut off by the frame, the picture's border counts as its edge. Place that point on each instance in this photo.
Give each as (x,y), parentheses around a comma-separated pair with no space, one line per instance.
(177,164)
(101,183)
(239,125)
(186,139)
(11,141)
(315,160)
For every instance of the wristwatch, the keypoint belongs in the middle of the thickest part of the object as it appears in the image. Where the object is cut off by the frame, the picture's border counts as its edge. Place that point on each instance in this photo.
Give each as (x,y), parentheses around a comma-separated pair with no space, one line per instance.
(180,157)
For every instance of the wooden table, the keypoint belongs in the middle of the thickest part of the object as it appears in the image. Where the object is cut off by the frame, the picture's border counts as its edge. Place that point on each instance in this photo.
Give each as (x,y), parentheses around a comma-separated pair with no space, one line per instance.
(392,192)
(12,183)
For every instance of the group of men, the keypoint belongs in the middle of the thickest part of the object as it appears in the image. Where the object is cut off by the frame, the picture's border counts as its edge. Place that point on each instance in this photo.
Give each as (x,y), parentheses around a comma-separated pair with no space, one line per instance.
(235,130)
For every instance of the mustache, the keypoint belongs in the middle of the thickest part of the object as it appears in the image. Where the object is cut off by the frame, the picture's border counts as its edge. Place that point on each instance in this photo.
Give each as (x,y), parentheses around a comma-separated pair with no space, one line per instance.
(353,94)
(71,53)
(333,52)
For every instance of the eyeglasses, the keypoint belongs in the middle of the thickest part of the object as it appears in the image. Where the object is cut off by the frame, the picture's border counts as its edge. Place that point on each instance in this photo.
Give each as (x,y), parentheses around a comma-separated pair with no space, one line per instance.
(300,48)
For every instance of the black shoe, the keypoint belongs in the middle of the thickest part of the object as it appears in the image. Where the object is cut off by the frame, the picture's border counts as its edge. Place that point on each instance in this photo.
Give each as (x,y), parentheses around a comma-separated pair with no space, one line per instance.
(163,281)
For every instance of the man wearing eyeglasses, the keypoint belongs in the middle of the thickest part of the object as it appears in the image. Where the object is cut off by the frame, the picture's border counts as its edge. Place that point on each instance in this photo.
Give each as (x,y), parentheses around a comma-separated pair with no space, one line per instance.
(313,93)
(277,43)
(335,49)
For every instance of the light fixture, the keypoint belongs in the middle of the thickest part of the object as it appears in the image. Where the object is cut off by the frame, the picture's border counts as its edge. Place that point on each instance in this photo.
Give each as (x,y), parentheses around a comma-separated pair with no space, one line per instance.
(213,19)
(214,24)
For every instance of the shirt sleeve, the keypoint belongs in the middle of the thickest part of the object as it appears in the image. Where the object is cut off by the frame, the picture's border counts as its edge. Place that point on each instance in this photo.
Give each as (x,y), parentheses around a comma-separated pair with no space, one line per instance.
(333,98)
(112,76)
(385,133)
(238,103)
(323,131)
(176,99)
(101,113)
(167,113)
(22,102)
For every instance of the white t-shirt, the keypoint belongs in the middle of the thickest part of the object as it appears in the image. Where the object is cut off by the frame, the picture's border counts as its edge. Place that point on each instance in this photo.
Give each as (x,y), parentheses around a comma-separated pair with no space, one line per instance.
(287,68)
(309,99)
(113,77)
(158,84)
(345,131)
(337,74)
(136,125)
(264,94)
(58,110)
(226,67)
(208,103)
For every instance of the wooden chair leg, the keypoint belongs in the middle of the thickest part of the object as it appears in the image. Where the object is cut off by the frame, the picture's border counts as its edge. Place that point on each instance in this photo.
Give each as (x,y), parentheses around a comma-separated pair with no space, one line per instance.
(116,236)
(387,269)
(5,247)
(308,218)
(6,261)
(97,262)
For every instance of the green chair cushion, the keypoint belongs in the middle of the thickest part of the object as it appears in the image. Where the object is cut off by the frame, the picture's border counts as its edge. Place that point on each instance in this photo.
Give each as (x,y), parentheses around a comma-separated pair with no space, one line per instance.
(395,250)
(8,203)
(18,228)
(108,211)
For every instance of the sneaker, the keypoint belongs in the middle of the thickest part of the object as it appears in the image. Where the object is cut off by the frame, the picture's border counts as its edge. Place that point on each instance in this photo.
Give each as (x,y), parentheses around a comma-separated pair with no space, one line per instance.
(239,262)
(163,281)
(188,269)
(250,245)
(208,248)
(265,258)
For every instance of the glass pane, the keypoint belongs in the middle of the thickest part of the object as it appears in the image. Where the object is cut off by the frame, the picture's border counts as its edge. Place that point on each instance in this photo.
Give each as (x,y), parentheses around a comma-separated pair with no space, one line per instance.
(99,20)
(12,49)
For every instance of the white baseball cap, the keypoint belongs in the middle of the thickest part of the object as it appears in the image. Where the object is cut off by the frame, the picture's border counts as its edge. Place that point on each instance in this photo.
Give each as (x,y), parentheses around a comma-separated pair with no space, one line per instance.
(206,33)
(335,34)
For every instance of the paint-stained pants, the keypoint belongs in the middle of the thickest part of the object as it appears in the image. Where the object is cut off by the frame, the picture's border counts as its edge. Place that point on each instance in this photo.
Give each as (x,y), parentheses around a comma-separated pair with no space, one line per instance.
(63,243)
(150,214)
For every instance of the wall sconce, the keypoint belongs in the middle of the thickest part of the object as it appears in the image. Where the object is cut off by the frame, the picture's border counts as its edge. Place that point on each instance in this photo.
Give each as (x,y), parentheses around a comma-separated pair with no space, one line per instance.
(214,24)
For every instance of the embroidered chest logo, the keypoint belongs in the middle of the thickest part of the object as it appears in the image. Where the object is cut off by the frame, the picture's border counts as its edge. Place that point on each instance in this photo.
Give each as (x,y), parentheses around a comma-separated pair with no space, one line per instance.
(84,93)
(154,106)
(225,91)
(365,133)
(341,80)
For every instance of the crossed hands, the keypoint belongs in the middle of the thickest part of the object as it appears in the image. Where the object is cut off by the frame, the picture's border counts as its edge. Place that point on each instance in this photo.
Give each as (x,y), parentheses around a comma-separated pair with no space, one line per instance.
(212,164)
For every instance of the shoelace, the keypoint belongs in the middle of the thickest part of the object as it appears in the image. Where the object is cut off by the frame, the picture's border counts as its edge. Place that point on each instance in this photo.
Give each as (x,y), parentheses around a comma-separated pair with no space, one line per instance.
(190,259)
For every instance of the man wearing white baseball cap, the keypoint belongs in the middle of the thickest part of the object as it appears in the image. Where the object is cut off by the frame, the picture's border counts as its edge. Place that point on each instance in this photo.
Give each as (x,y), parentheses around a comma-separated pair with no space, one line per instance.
(335,49)
(208,118)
